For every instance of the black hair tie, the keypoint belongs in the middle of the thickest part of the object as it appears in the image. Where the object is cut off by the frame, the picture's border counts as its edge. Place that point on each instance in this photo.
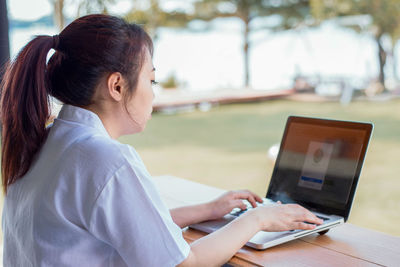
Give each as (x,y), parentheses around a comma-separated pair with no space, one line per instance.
(56,41)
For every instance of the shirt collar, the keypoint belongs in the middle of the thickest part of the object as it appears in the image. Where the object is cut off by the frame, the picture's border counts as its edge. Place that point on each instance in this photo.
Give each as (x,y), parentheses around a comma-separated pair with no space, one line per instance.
(82,116)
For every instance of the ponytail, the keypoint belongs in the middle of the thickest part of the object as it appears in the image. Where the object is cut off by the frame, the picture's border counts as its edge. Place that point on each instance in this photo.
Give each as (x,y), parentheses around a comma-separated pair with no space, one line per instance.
(87,50)
(24,109)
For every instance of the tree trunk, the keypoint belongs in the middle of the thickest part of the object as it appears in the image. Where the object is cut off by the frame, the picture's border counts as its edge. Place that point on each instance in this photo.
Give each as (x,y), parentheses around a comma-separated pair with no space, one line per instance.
(246,53)
(4,38)
(394,63)
(382,61)
(59,19)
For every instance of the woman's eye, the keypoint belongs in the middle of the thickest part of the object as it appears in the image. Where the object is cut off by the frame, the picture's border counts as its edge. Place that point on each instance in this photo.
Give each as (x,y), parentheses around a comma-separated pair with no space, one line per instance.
(153,82)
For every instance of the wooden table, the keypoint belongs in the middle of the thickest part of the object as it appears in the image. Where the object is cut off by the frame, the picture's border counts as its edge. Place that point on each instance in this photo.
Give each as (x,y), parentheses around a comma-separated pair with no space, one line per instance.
(346,245)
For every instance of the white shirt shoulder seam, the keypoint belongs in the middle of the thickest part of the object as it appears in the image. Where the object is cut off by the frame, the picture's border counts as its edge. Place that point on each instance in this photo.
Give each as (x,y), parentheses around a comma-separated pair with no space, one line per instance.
(102,189)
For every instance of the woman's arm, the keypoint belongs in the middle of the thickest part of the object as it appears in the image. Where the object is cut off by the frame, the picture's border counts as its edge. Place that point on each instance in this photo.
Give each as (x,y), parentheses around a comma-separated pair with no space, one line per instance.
(215,209)
(187,215)
(218,247)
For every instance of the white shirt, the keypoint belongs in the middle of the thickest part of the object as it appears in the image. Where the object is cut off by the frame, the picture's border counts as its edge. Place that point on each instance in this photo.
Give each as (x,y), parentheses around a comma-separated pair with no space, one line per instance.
(88,200)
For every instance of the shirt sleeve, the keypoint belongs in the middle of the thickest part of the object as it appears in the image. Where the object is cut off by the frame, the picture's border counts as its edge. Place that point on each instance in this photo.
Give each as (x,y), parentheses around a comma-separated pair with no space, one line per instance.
(128,216)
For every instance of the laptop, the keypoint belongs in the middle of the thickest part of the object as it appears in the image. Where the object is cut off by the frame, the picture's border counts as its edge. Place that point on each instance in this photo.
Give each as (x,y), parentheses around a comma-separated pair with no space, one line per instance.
(318,166)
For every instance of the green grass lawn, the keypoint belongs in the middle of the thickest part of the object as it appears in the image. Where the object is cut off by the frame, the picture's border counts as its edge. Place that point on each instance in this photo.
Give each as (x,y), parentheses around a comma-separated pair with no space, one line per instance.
(227,148)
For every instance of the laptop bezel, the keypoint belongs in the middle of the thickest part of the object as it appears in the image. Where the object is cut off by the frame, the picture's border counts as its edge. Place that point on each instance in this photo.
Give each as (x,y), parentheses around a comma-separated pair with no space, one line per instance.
(367,127)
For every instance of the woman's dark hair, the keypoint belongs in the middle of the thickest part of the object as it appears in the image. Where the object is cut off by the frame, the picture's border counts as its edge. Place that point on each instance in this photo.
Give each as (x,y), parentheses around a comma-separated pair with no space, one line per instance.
(87,50)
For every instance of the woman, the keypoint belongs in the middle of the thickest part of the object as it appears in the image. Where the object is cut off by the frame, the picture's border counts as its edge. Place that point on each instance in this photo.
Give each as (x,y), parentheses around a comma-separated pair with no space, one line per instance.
(77,197)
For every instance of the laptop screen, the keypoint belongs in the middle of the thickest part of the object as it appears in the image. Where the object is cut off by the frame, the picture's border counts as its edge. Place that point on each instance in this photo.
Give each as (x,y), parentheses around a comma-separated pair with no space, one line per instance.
(319,163)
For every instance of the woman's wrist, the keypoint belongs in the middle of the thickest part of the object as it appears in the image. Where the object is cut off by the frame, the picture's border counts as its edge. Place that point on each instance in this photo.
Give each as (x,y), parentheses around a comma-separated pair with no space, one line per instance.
(257,216)
(212,213)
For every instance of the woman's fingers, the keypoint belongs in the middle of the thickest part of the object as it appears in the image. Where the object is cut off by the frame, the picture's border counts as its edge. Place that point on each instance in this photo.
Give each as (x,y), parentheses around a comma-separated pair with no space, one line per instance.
(303,226)
(249,196)
(303,218)
(238,203)
(285,217)
(313,219)
(308,216)
(296,216)
(257,197)
(252,201)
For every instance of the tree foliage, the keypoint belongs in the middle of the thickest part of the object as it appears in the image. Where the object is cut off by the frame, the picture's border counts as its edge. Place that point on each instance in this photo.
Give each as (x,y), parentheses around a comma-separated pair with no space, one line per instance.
(151,16)
(94,6)
(84,7)
(384,14)
(291,14)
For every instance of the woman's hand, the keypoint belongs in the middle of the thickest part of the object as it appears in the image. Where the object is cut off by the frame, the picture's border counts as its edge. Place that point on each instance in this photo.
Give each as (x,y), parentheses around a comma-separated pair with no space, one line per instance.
(275,218)
(230,200)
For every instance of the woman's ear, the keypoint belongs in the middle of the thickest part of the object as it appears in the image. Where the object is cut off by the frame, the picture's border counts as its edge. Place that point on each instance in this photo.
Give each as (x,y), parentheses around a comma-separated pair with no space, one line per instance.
(116,86)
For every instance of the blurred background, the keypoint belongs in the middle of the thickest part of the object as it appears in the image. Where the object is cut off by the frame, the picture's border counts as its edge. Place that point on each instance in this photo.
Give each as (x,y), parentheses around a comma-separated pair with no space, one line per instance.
(231,72)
